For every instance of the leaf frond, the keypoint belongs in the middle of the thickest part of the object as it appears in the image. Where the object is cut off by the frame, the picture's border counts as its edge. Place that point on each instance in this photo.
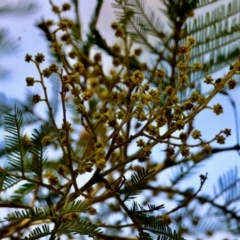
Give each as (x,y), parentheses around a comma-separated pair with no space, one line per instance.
(74,206)
(137,208)
(26,108)
(37,213)
(38,232)
(6,180)
(81,227)
(38,153)
(138,180)
(158,227)
(16,145)
(22,191)
(140,21)
(217,37)
(183,171)
(228,187)
(150,21)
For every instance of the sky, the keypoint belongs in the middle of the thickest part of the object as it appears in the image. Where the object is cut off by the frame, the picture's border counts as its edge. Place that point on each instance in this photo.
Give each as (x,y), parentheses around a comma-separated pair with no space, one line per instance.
(31,41)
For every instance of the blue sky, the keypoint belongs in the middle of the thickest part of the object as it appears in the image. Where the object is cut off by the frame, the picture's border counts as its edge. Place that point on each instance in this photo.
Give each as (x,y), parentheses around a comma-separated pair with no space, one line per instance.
(31,41)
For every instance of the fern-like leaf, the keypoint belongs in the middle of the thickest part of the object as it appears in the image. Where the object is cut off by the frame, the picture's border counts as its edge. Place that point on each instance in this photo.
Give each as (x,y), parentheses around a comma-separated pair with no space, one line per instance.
(139,22)
(199,221)
(16,145)
(6,180)
(158,227)
(22,191)
(150,21)
(228,185)
(81,227)
(138,181)
(34,214)
(142,214)
(38,233)
(144,236)
(151,208)
(222,46)
(184,171)
(37,150)
(75,206)
(7,104)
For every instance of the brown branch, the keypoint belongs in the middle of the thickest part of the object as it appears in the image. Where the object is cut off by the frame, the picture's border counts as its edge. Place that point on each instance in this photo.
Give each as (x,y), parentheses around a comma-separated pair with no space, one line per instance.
(13,205)
(203,178)
(122,204)
(202,200)
(14,227)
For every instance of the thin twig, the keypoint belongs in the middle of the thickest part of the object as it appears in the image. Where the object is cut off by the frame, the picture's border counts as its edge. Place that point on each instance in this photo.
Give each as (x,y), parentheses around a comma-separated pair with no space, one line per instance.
(203,178)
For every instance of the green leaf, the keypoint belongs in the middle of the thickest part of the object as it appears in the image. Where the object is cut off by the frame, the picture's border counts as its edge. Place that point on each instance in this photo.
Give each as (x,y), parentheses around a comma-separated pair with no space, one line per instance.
(34,214)
(157,226)
(38,152)
(82,227)
(151,208)
(138,181)
(74,206)
(6,180)
(38,233)
(140,21)
(221,46)
(185,170)
(142,214)
(23,190)
(16,145)
(228,187)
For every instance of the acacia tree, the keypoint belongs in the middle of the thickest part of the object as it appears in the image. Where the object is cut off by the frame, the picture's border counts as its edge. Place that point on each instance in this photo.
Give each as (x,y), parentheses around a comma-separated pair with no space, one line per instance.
(110,124)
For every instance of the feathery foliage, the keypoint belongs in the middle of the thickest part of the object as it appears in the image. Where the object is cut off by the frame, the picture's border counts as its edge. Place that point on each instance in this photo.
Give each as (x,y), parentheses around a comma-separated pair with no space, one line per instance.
(81,227)
(159,227)
(39,232)
(77,206)
(7,180)
(37,214)
(16,146)
(38,155)
(138,180)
